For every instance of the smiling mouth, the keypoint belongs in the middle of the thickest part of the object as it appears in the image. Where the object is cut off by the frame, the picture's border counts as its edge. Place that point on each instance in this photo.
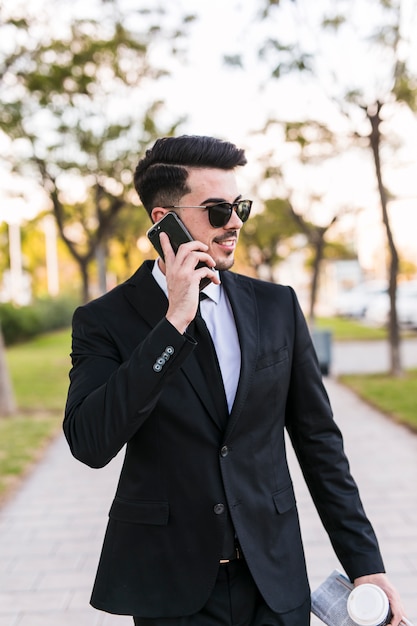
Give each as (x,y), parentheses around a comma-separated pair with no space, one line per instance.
(228,239)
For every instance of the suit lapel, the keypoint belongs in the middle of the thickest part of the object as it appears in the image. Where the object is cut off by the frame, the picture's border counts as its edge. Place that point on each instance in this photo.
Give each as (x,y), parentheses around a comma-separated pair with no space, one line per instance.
(145,295)
(149,300)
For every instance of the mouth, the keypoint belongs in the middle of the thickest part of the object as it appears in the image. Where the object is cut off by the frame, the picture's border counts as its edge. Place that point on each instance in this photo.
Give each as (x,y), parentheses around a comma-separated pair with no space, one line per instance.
(227,241)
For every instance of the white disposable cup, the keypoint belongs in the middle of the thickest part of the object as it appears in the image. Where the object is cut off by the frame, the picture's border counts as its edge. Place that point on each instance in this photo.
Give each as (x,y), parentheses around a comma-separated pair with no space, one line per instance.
(368,605)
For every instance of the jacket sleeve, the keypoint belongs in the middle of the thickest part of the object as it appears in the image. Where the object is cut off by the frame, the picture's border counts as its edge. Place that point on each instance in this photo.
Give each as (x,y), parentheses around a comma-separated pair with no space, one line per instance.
(109,399)
(318,444)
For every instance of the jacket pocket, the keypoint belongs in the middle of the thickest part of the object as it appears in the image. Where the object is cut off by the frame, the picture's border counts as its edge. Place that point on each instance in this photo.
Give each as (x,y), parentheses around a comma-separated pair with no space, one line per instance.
(139,511)
(266,360)
(284,500)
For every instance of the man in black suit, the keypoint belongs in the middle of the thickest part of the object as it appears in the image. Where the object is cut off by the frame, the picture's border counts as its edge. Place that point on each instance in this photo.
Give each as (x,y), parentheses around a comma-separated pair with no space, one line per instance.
(204,530)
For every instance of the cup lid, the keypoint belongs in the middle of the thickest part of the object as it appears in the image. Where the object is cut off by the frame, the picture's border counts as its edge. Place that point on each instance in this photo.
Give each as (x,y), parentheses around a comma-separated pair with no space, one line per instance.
(367,605)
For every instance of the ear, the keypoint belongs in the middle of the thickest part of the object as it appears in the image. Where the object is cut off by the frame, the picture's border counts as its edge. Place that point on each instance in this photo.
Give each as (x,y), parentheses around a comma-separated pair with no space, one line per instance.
(157,213)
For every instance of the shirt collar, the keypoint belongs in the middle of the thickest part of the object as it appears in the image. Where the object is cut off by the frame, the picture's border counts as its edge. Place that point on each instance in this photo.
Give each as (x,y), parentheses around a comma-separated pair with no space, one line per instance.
(160,277)
(212,291)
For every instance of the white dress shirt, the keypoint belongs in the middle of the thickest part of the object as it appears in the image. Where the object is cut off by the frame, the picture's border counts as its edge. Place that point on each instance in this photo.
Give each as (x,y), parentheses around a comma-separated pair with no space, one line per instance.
(218,315)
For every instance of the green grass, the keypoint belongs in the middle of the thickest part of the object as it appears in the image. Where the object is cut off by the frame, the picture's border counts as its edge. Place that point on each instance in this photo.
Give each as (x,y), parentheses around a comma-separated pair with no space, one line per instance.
(397,397)
(22,441)
(39,372)
(344,329)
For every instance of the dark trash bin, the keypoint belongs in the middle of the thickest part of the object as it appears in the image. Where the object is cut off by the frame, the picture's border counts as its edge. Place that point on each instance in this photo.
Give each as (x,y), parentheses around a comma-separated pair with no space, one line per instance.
(322,341)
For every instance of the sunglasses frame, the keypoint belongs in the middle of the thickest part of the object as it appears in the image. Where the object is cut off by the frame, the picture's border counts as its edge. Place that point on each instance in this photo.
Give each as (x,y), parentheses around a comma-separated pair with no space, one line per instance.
(210,207)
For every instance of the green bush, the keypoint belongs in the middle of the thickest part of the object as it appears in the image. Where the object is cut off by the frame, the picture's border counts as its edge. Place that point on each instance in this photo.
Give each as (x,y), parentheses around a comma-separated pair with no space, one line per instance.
(20,323)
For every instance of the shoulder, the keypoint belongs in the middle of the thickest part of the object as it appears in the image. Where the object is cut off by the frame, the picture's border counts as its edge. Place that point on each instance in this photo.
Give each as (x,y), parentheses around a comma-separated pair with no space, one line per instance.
(261,288)
(114,298)
(270,300)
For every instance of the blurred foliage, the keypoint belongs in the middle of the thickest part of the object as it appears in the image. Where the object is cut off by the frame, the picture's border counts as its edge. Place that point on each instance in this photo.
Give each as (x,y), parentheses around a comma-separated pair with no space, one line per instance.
(263,233)
(310,45)
(78,109)
(19,324)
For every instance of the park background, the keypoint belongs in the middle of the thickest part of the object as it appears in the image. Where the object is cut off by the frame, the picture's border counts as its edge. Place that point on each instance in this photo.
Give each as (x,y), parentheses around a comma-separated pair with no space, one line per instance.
(296,84)
(306,88)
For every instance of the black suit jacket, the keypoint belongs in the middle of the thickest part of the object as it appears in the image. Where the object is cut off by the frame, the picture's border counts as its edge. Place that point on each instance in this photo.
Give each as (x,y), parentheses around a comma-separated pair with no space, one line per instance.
(136,380)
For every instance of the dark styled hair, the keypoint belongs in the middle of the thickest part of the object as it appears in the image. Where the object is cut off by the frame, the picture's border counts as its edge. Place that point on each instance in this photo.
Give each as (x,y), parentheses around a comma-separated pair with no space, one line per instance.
(161,176)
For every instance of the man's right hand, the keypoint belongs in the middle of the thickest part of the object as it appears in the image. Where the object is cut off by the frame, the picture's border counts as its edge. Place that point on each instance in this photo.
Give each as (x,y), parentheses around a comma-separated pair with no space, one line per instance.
(183,279)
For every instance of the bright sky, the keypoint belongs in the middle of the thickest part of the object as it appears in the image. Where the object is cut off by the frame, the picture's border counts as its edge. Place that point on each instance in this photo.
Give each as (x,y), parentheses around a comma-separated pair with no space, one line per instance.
(228,103)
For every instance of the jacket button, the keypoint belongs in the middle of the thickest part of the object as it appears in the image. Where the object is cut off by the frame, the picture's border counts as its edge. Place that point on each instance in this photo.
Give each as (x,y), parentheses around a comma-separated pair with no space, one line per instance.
(224,451)
(218,509)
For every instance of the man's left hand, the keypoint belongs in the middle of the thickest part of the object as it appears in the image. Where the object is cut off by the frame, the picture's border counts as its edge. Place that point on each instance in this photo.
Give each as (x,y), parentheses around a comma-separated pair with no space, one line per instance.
(381,580)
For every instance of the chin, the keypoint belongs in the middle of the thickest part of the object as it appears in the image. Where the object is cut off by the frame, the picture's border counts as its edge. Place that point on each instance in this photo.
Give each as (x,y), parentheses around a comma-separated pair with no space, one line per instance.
(225,264)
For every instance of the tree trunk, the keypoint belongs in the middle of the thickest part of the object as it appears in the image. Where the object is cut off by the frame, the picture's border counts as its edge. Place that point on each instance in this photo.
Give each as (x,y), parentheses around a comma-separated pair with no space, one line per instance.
(7,401)
(85,289)
(101,257)
(373,114)
(318,257)
(316,238)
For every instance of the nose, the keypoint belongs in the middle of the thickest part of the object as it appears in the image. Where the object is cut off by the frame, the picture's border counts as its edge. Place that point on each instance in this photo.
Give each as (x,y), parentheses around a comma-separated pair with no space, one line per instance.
(234,222)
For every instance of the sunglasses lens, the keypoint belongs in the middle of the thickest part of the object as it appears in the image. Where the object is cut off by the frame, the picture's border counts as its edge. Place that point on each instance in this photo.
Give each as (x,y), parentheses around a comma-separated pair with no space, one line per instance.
(243,209)
(219,214)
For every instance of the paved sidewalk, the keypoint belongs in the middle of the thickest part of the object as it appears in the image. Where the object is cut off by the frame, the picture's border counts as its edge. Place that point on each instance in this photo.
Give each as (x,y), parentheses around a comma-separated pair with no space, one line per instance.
(352,357)
(51,531)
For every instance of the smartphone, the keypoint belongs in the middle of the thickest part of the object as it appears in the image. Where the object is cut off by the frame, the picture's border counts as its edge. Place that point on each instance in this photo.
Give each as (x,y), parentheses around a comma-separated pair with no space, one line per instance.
(177,233)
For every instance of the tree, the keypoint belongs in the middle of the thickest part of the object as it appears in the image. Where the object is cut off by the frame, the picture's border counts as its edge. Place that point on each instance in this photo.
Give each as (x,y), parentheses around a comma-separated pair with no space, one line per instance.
(400,90)
(264,232)
(316,236)
(129,245)
(358,66)
(313,144)
(77,112)
(275,225)
(373,113)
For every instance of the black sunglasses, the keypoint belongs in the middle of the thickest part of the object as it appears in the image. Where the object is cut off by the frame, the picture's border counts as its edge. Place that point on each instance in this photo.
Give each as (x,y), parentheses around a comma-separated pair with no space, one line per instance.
(219,214)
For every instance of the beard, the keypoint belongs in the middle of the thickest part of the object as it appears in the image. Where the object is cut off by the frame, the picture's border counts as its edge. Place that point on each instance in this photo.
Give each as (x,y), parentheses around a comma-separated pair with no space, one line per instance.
(227,261)
(225,264)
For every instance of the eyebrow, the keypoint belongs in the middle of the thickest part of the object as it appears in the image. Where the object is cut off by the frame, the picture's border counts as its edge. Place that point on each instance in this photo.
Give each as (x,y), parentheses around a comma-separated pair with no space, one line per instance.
(218,200)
